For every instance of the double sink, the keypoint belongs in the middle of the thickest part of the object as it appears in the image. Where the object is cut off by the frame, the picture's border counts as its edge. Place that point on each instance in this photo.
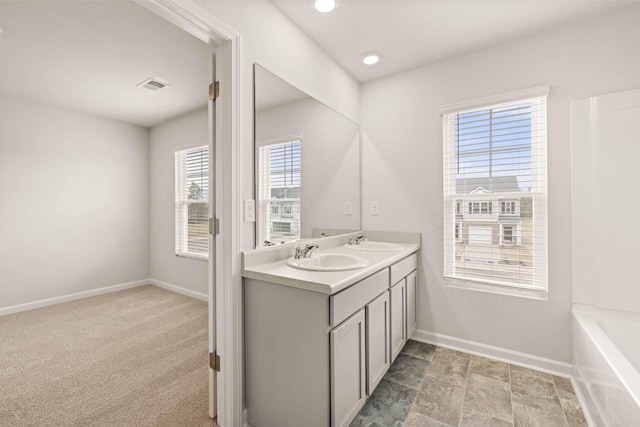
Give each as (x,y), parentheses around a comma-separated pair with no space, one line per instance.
(340,261)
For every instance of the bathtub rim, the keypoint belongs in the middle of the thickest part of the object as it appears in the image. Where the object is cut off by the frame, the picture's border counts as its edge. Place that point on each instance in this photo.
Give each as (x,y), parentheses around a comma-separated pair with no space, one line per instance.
(588,318)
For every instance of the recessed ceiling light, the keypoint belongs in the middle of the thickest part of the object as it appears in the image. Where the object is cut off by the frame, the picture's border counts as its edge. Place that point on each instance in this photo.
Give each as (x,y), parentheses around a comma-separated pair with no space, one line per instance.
(370,58)
(325,6)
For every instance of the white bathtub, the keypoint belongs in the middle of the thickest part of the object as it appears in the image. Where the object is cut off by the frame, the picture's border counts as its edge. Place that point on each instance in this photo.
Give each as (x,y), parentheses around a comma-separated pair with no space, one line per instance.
(606,352)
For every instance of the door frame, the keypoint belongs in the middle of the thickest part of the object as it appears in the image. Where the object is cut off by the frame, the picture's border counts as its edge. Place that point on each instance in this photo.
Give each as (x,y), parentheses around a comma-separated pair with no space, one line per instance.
(224,271)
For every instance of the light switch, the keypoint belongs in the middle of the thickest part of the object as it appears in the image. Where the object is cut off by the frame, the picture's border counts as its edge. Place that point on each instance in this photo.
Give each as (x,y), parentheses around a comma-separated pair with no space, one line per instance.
(375,209)
(249,210)
(348,208)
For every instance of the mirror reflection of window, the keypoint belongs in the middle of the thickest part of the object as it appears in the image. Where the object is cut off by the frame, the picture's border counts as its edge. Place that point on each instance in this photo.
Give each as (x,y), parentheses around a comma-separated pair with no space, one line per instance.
(294,132)
(279,188)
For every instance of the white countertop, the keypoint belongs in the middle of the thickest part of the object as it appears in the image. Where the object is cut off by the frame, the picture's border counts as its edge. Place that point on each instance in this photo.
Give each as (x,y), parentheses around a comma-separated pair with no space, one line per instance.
(328,282)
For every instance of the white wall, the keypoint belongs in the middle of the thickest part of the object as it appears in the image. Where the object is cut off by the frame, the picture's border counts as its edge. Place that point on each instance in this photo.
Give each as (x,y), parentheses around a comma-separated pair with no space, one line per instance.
(605,138)
(74,202)
(270,39)
(177,134)
(330,161)
(402,167)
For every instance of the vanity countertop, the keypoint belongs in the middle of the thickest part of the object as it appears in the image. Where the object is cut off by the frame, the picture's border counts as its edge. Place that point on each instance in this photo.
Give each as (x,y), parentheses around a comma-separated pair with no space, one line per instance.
(328,282)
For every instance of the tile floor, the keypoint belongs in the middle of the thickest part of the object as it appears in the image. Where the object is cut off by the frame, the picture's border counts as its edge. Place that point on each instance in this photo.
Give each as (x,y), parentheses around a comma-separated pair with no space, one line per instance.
(434,386)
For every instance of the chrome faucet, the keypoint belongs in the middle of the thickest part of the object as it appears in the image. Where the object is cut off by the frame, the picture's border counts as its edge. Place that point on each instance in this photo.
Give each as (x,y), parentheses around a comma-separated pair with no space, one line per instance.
(308,250)
(359,239)
(305,252)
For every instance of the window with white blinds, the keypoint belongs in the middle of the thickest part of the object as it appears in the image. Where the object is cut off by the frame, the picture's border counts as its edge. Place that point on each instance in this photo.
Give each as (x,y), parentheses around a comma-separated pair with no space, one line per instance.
(495,196)
(192,202)
(279,186)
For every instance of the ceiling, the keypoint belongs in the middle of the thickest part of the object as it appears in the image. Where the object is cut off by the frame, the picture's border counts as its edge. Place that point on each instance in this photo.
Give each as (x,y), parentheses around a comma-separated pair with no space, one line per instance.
(410,33)
(89,56)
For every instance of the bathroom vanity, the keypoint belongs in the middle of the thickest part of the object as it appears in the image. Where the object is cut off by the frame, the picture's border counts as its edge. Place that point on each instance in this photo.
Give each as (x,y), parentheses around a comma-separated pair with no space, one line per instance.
(317,343)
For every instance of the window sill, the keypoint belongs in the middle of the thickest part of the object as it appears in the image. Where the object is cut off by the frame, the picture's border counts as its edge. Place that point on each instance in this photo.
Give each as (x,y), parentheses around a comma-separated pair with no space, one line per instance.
(472,285)
(194,257)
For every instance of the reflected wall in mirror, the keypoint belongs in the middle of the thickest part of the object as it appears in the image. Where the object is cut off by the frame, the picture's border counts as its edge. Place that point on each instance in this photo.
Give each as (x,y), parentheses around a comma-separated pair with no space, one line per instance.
(307,164)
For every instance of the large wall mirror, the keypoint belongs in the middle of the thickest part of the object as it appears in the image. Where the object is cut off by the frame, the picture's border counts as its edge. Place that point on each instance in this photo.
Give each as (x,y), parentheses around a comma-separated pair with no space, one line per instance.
(307,164)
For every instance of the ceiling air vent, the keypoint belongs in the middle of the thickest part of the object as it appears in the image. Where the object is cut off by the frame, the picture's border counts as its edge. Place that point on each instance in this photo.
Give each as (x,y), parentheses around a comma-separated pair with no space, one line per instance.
(153,84)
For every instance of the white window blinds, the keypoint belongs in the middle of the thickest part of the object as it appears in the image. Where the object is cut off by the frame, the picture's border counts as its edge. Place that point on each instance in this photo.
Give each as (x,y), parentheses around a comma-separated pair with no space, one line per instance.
(495,195)
(192,202)
(279,186)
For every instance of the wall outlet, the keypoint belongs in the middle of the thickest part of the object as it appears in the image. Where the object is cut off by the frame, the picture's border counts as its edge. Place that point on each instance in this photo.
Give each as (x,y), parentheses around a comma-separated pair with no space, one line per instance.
(375,210)
(162,257)
(249,210)
(348,208)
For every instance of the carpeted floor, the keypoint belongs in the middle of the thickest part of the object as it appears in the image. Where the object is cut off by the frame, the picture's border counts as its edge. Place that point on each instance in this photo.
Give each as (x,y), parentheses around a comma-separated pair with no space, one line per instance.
(136,357)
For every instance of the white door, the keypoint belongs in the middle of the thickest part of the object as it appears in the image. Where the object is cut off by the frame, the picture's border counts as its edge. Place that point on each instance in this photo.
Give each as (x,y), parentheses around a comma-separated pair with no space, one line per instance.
(480,234)
(348,372)
(398,318)
(378,340)
(412,313)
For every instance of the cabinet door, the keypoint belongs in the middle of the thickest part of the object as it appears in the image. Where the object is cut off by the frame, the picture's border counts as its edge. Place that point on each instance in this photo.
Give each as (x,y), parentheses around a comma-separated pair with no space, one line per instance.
(348,373)
(378,344)
(412,292)
(398,317)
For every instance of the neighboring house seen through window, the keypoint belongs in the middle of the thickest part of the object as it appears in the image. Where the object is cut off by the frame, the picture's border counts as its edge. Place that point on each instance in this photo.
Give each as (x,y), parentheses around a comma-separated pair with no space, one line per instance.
(192,202)
(495,166)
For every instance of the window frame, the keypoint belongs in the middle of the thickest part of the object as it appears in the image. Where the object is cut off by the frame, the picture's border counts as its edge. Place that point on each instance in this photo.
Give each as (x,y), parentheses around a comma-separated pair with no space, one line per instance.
(516,236)
(538,193)
(182,203)
(457,231)
(504,233)
(513,207)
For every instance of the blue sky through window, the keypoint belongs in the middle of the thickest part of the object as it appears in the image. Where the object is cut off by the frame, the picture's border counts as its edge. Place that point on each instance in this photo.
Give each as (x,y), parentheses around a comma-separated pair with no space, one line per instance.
(495,142)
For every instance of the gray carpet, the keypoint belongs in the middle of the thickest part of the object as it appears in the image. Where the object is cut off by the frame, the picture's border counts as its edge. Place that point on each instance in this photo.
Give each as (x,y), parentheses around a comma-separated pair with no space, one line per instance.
(136,357)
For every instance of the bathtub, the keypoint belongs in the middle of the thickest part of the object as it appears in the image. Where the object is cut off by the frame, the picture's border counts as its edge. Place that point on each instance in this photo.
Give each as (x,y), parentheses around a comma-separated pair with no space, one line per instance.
(606,352)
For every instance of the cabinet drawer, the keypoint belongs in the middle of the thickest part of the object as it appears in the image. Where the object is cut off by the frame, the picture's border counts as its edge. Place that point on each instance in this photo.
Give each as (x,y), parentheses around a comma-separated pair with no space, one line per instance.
(344,304)
(402,268)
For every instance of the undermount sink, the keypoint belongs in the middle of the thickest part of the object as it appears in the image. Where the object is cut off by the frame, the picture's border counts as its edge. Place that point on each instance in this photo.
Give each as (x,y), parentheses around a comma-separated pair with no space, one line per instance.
(375,246)
(328,262)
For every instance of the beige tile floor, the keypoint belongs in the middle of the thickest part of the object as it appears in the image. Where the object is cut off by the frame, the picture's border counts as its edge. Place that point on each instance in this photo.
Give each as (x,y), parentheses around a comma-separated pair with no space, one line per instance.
(434,386)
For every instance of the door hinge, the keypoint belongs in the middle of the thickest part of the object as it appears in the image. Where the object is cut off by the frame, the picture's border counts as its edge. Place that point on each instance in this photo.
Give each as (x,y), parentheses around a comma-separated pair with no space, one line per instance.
(214,226)
(214,91)
(214,361)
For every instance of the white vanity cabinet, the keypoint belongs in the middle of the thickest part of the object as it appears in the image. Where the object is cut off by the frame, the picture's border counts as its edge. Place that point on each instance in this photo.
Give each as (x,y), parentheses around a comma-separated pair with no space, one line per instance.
(312,358)
(412,301)
(403,302)
(348,369)
(398,316)
(378,322)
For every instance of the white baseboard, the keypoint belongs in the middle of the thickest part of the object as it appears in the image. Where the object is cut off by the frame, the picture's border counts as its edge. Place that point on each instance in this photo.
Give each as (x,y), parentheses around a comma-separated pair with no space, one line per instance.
(497,353)
(70,297)
(94,292)
(179,289)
